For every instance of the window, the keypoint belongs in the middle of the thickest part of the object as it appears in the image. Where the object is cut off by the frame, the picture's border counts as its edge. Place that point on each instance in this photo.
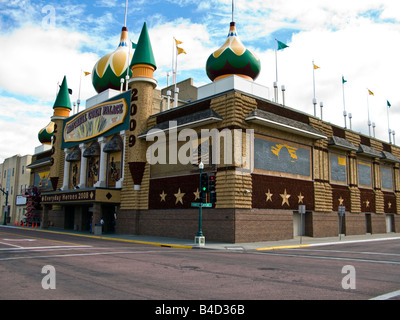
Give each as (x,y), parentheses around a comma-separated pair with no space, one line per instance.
(282,158)
(338,168)
(364,174)
(23,169)
(387,178)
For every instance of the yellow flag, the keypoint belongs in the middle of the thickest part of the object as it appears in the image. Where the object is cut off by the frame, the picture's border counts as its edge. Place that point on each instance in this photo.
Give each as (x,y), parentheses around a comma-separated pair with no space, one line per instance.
(316,67)
(178,42)
(370,93)
(86,73)
(180,50)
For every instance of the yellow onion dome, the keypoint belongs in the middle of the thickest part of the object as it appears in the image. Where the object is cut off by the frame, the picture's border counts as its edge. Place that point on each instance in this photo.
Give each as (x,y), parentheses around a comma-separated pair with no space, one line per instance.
(46,134)
(110,69)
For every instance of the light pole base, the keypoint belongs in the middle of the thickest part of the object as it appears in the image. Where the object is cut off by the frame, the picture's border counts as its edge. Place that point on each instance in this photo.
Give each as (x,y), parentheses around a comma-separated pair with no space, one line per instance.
(200,241)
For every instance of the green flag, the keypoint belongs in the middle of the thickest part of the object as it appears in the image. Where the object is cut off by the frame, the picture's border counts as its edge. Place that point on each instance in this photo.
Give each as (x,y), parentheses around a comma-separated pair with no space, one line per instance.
(388,104)
(281,45)
(343,81)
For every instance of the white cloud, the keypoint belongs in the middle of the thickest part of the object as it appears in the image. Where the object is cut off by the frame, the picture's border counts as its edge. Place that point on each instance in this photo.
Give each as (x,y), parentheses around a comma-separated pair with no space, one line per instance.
(363,52)
(33,60)
(20,124)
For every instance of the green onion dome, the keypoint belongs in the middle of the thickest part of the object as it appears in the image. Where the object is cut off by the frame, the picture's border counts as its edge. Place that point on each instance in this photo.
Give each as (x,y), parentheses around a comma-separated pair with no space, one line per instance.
(110,69)
(46,134)
(233,58)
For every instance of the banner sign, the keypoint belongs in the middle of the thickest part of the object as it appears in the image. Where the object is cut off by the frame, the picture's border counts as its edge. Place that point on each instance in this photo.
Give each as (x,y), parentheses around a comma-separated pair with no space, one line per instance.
(95,121)
(69,196)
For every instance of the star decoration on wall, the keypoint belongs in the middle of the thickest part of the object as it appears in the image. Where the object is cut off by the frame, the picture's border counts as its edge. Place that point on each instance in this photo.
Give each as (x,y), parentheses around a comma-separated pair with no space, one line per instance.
(196,194)
(367,204)
(269,196)
(285,198)
(389,205)
(301,197)
(341,201)
(179,196)
(162,196)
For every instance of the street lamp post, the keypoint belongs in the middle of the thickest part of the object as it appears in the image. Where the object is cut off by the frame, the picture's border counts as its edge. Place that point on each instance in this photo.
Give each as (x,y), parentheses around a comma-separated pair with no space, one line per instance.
(200,239)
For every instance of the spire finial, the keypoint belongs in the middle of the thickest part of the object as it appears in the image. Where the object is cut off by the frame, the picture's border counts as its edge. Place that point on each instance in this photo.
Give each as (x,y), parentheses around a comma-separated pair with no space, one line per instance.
(233,10)
(126,12)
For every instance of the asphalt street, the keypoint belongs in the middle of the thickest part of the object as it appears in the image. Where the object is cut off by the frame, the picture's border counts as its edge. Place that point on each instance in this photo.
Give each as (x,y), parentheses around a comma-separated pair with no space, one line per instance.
(86,268)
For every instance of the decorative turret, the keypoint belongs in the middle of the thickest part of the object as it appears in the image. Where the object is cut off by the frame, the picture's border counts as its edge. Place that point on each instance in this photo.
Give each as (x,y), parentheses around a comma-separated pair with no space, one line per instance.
(46,134)
(62,108)
(110,69)
(233,59)
(62,105)
(143,62)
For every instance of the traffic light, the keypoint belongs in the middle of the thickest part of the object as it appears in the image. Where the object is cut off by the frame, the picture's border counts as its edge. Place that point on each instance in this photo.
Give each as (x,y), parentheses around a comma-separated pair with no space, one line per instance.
(211,187)
(203,187)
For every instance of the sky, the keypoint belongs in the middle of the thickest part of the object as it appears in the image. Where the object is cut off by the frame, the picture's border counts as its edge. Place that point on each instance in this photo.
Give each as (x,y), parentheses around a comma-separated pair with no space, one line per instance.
(43,41)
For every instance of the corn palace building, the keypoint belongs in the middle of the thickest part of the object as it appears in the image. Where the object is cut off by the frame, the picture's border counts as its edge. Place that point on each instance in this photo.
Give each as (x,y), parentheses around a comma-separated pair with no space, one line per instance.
(120,159)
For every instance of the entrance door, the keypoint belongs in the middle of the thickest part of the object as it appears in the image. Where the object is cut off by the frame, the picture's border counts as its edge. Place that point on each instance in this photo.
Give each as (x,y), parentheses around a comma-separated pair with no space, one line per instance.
(389,223)
(368,224)
(69,217)
(109,218)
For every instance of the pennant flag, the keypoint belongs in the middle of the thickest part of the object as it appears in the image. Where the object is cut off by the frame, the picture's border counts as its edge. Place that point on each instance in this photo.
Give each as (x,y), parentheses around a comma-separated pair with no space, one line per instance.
(180,50)
(388,104)
(343,81)
(178,42)
(281,45)
(370,92)
(86,73)
(315,67)
(134,45)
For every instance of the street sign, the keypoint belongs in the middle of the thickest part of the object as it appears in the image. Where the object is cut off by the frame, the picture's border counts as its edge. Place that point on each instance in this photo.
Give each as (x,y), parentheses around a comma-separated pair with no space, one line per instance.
(203,205)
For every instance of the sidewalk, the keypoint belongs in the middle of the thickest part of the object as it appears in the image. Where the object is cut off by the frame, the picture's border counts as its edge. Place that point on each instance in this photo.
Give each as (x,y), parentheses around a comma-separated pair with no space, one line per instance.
(297,242)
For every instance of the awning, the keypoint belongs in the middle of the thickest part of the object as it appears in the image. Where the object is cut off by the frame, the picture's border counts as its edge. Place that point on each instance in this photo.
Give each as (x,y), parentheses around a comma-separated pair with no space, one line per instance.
(275,121)
(341,143)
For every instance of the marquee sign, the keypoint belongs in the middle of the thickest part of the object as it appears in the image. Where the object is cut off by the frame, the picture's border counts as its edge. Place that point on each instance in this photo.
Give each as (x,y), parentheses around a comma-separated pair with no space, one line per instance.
(95,121)
(78,196)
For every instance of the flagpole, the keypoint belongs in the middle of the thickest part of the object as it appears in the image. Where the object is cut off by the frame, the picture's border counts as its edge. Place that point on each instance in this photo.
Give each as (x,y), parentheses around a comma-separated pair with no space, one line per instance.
(314,99)
(390,131)
(176,63)
(276,69)
(344,104)
(173,59)
(369,120)
(79,94)
(276,59)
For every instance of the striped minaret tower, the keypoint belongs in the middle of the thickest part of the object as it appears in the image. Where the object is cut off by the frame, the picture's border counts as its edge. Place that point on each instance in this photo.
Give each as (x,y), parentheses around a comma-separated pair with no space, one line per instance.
(62,108)
(142,85)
